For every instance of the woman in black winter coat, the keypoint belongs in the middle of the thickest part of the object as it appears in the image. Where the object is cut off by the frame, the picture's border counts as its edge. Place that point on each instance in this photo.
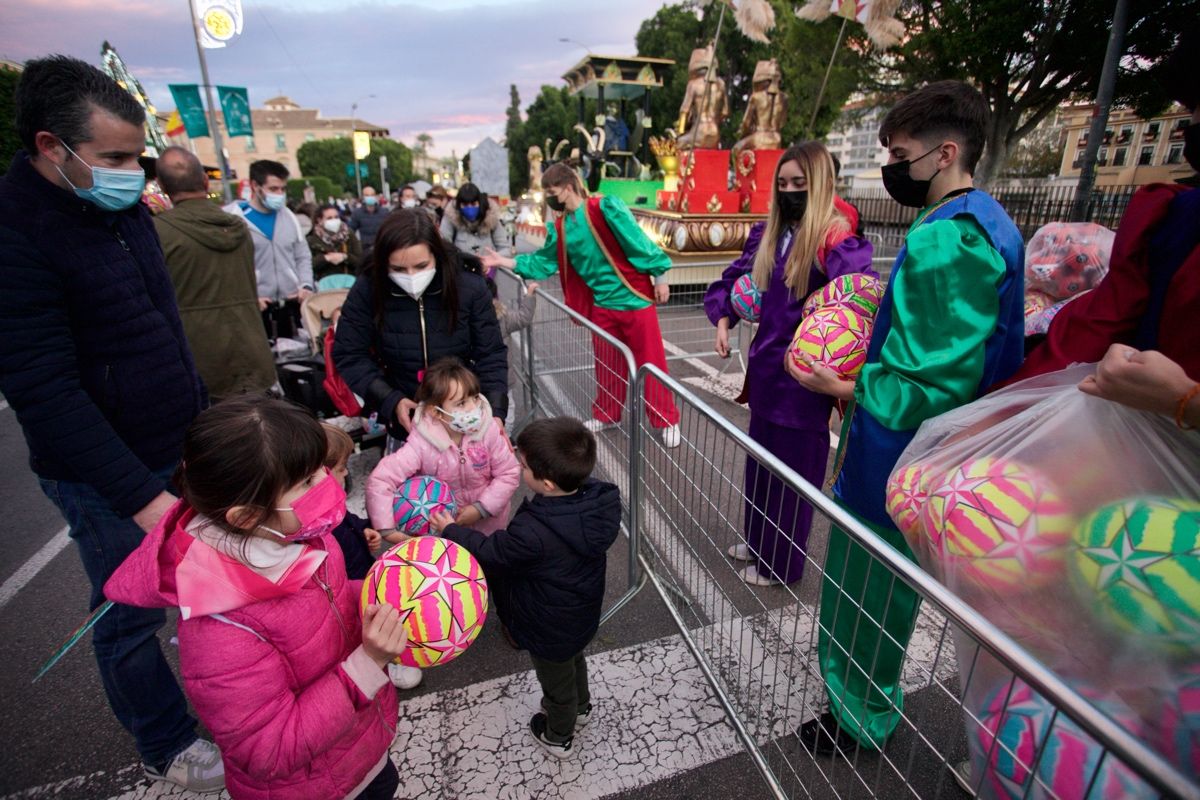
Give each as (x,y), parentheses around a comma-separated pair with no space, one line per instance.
(413,306)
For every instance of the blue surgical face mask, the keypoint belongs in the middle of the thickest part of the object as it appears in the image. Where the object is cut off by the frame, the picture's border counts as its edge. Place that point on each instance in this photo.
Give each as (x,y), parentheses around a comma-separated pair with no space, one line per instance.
(274,201)
(112,189)
(471,213)
(370,201)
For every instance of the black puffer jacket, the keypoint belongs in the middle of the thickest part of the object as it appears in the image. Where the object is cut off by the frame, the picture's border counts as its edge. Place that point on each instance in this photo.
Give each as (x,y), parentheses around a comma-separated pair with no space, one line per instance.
(382,366)
(546,570)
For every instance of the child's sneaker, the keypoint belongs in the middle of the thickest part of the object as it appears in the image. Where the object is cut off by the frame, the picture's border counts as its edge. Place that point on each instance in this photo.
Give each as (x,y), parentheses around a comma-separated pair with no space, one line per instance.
(403,677)
(197,768)
(537,726)
(581,717)
(595,426)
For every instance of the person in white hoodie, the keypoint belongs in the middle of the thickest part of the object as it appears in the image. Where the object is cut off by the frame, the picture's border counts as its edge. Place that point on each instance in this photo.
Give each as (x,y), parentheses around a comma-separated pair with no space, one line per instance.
(282,259)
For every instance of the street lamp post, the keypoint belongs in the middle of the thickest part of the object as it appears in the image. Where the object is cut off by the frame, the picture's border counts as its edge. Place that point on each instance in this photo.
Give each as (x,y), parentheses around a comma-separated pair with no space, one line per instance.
(565,40)
(353,149)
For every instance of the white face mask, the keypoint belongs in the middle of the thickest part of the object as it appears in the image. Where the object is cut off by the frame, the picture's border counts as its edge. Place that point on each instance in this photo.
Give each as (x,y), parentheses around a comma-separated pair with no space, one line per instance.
(332,225)
(409,203)
(465,421)
(414,284)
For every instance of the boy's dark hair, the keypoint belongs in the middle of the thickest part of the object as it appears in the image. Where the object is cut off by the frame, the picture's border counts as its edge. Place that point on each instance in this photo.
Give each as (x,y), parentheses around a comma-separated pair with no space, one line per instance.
(264,168)
(438,383)
(942,110)
(338,445)
(247,451)
(558,449)
(58,94)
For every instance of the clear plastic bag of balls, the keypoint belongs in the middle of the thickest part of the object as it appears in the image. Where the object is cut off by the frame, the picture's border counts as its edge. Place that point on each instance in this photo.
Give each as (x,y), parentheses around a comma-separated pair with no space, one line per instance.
(1063,259)
(1072,524)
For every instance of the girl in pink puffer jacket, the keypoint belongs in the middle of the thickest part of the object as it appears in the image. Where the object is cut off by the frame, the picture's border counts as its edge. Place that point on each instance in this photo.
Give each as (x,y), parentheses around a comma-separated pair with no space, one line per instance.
(455,439)
(275,657)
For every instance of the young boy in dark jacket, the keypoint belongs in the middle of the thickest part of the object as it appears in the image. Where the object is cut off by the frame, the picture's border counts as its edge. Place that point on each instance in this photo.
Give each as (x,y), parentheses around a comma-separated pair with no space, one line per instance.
(548,568)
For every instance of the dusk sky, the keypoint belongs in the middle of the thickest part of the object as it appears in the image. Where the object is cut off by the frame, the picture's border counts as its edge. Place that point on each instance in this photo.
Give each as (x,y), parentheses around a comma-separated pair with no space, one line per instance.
(442,66)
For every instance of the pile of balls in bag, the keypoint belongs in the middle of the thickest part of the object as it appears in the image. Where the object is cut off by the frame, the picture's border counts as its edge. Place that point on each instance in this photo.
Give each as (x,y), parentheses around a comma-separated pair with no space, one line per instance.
(1063,262)
(1073,525)
(438,587)
(836,325)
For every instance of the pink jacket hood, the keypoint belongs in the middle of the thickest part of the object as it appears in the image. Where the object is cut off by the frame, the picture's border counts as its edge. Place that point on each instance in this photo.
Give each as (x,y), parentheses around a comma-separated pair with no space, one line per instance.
(173,568)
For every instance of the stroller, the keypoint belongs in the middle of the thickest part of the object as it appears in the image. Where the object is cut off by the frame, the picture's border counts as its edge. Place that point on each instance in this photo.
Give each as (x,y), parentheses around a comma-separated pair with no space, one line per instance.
(304,375)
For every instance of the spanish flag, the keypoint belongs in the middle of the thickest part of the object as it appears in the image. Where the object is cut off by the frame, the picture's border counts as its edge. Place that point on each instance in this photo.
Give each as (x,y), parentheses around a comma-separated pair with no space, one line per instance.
(175,124)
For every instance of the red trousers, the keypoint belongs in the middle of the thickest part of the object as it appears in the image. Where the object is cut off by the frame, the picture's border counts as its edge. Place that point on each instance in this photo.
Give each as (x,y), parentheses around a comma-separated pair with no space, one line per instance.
(639,331)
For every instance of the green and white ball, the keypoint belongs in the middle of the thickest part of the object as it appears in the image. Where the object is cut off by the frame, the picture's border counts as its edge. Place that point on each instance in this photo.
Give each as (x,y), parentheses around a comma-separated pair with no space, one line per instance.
(1137,562)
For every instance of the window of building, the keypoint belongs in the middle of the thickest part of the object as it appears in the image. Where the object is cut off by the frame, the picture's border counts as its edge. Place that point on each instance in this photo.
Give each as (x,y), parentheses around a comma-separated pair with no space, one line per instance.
(1126,134)
(1108,134)
(280,143)
(1146,158)
(1177,129)
(1083,136)
(310,137)
(251,147)
(1153,129)
(1102,157)
(1119,156)
(1175,154)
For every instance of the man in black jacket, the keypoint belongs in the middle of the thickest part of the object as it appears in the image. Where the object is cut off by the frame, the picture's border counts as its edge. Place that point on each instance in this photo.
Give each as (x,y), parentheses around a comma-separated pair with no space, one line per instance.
(547,568)
(94,361)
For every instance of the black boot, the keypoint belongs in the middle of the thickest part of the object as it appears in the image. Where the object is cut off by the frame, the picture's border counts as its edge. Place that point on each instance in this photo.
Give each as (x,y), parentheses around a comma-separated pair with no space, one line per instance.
(824,737)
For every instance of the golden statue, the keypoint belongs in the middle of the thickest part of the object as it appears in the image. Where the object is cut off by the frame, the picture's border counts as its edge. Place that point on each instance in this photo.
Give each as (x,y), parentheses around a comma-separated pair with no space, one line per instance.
(535,157)
(766,112)
(704,104)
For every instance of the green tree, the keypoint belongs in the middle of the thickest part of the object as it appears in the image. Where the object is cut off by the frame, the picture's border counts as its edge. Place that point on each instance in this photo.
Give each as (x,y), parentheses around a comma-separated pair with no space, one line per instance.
(9,143)
(549,117)
(518,161)
(329,158)
(801,48)
(1029,56)
(424,142)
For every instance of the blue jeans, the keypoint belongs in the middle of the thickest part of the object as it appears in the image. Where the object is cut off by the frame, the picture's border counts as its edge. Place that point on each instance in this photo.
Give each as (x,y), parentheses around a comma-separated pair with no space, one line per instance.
(141,688)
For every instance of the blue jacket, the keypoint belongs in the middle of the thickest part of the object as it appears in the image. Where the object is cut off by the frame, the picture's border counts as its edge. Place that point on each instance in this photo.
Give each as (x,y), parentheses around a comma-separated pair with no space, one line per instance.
(546,570)
(93,357)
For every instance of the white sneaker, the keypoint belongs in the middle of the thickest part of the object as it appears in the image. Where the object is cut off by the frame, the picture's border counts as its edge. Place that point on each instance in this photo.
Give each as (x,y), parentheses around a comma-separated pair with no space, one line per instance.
(671,436)
(595,426)
(403,677)
(752,576)
(740,552)
(582,718)
(198,768)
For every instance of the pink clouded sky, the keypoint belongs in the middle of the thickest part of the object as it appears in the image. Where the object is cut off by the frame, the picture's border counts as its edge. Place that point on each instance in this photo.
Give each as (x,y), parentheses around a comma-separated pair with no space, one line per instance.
(441,66)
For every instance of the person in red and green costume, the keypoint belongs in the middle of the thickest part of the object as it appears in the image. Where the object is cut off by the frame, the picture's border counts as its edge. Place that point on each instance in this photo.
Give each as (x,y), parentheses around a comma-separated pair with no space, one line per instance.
(614,275)
(950,326)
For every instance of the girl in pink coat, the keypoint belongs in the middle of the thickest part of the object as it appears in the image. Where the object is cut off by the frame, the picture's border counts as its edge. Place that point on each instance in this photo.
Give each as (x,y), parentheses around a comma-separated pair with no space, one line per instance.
(455,439)
(275,657)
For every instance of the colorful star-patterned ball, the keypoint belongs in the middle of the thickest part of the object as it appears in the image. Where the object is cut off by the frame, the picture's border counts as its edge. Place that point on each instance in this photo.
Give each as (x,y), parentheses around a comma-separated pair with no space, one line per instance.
(1138,562)
(441,594)
(999,524)
(837,336)
(907,492)
(746,298)
(1178,722)
(416,499)
(856,291)
(1015,732)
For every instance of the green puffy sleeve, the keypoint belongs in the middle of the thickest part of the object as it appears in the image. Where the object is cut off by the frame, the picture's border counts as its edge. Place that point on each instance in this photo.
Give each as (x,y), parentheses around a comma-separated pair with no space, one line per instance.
(643,254)
(540,264)
(945,306)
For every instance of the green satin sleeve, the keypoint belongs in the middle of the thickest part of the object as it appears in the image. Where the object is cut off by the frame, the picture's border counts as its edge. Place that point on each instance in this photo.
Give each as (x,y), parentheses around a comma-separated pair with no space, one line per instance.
(643,254)
(540,264)
(945,307)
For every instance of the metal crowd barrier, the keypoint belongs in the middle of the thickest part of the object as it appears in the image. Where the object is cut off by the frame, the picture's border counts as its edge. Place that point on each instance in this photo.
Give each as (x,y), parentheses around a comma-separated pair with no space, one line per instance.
(757,645)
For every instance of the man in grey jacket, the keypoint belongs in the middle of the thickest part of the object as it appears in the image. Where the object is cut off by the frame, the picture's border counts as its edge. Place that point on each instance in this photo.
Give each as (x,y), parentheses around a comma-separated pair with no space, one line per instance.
(282,259)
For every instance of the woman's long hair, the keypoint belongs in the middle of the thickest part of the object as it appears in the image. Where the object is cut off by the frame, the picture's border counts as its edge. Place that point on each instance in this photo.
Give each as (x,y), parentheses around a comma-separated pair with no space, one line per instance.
(469,193)
(820,216)
(408,227)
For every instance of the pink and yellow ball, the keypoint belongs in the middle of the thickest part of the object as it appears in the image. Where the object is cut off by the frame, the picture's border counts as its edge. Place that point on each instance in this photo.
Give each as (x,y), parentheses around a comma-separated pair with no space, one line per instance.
(860,293)
(418,498)
(1178,722)
(834,335)
(907,493)
(999,524)
(746,298)
(441,593)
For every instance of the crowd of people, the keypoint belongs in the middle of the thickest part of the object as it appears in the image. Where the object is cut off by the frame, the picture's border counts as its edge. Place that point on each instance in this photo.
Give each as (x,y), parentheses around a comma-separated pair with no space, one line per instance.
(136,352)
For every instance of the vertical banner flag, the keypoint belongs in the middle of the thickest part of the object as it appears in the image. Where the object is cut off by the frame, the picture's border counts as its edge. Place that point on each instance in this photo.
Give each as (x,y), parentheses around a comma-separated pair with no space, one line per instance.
(853,10)
(235,103)
(220,21)
(362,144)
(187,101)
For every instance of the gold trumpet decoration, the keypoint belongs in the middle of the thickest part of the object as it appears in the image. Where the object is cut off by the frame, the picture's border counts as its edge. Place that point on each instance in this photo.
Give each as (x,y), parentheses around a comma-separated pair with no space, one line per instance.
(666,152)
